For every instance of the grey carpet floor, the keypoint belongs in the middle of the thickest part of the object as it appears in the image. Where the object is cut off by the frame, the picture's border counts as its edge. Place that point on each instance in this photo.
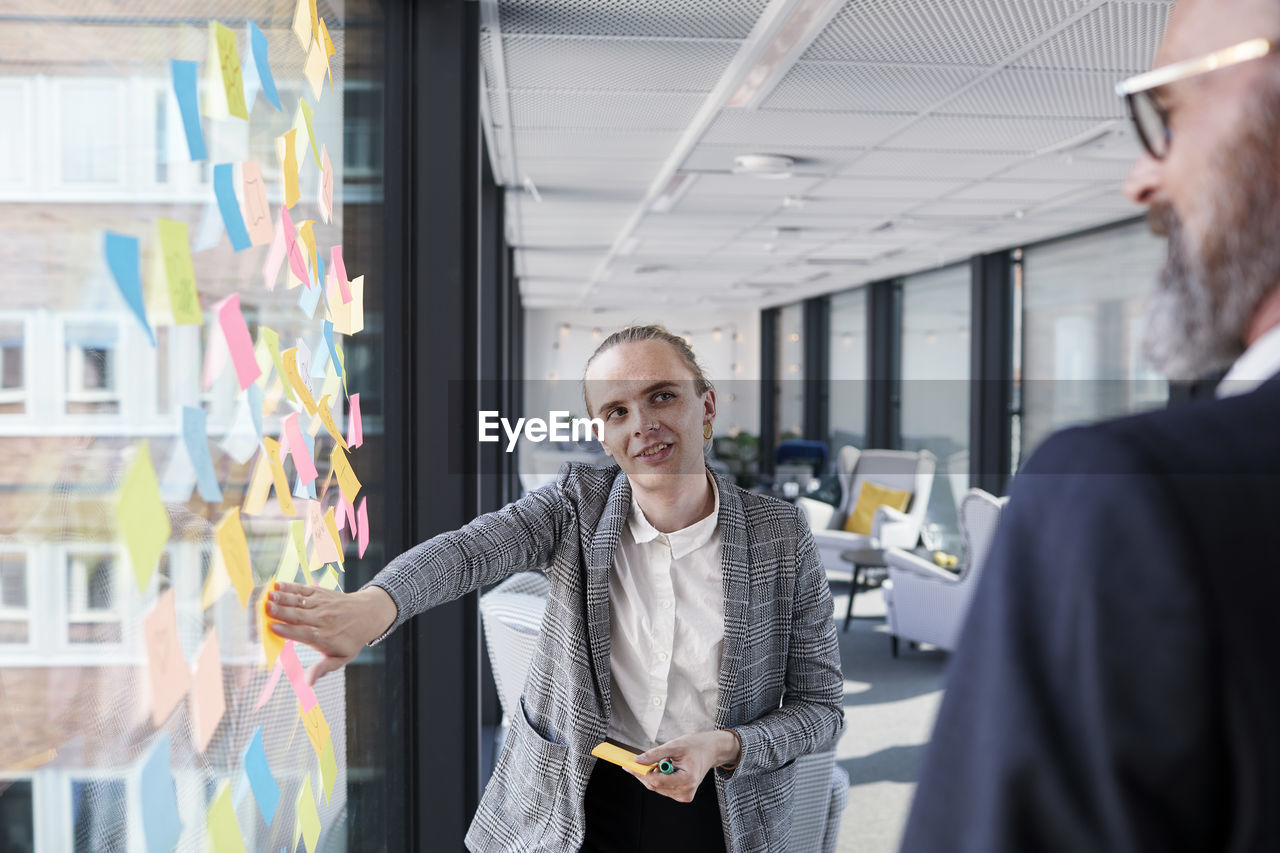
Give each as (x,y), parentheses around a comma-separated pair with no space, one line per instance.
(890,704)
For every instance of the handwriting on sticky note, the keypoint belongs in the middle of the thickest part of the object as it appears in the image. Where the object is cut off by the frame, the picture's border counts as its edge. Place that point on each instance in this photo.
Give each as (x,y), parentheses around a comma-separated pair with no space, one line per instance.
(235,554)
(170,677)
(257,213)
(229,62)
(140,514)
(316,727)
(208,701)
(180,275)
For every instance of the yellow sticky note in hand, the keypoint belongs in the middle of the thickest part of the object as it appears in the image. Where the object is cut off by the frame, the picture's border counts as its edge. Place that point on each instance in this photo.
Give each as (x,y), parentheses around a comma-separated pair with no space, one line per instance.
(235,554)
(141,516)
(272,642)
(615,754)
(229,63)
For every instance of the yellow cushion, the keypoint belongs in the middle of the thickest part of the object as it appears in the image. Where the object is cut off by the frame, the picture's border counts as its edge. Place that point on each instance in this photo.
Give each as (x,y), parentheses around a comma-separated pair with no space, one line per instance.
(872,497)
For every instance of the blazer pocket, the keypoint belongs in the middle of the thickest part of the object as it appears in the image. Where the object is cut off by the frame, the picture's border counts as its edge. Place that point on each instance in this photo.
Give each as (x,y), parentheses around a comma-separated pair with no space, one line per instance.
(536,766)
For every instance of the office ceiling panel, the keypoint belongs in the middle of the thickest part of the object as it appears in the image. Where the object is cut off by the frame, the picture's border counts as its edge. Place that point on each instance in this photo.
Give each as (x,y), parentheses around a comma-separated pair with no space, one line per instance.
(920,132)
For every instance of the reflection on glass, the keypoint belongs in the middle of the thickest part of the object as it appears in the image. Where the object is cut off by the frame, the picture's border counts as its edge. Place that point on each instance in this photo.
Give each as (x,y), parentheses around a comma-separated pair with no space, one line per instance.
(17,817)
(847,355)
(935,383)
(790,367)
(1083,306)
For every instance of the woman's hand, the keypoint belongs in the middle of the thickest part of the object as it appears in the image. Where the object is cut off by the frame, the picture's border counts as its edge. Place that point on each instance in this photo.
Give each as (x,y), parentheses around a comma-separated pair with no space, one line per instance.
(693,755)
(336,624)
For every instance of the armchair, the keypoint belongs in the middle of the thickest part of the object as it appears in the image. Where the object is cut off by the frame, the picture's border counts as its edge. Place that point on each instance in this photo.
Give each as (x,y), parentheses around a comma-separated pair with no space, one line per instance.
(896,469)
(927,604)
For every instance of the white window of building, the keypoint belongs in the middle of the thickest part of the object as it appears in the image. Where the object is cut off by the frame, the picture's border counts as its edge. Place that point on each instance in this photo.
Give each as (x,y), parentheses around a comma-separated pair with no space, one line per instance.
(92,351)
(16,134)
(91,132)
(95,597)
(13,367)
(15,598)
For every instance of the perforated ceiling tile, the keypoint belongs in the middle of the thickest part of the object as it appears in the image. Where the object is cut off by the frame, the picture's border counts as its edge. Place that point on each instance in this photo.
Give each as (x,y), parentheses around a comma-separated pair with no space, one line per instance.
(832,208)
(555,172)
(1069,166)
(850,87)
(612,145)
(976,32)
(888,188)
(920,164)
(616,64)
(775,131)
(709,204)
(560,109)
(1120,37)
(748,185)
(1026,192)
(809,160)
(976,133)
(676,18)
(1027,92)
(557,265)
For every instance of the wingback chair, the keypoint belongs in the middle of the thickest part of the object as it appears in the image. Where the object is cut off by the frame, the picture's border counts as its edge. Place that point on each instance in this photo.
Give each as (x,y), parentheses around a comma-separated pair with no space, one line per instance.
(926,604)
(894,469)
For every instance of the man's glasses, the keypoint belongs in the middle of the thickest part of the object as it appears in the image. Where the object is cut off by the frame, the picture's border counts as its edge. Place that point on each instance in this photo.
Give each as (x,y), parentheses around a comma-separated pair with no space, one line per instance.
(1150,118)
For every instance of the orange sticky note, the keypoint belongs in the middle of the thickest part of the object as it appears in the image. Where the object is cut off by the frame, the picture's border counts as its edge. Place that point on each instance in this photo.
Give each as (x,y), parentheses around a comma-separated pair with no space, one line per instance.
(166,666)
(290,359)
(272,642)
(287,153)
(235,554)
(257,213)
(208,703)
(272,448)
(347,480)
(141,516)
(315,725)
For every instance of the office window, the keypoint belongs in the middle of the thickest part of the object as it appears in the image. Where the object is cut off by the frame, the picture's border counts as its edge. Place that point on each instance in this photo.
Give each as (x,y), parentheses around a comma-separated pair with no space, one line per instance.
(847,369)
(93,599)
(13,362)
(98,815)
(17,816)
(91,131)
(790,366)
(92,359)
(1082,318)
(936,320)
(15,134)
(15,613)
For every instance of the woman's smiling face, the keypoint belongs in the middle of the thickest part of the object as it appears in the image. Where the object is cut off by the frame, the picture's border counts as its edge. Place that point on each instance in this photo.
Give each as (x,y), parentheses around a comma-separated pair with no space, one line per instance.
(653,416)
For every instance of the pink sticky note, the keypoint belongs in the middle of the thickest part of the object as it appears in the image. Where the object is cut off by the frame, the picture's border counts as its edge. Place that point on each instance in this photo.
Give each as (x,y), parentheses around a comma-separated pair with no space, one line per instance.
(326,186)
(340,271)
(208,703)
(170,677)
(362,522)
(298,678)
(238,341)
(215,358)
(355,430)
(275,257)
(270,686)
(322,543)
(302,460)
(296,262)
(257,213)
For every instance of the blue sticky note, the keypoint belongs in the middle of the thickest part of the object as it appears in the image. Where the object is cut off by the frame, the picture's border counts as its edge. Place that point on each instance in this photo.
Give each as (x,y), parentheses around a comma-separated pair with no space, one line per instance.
(301,489)
(122,259)
(333,351)
(320,271)
(161,823)
(224,190)
(184,86)
(318,360)
(196,438)
(261,62)
(255,408)
(265,789)
(309,299)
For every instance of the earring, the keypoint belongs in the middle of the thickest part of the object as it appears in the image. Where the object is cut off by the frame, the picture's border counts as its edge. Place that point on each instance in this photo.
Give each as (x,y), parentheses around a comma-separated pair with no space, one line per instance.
(706,431)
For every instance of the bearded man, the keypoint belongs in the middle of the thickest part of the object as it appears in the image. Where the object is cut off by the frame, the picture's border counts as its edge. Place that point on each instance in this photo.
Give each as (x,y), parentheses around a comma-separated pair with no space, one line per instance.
(1115,687)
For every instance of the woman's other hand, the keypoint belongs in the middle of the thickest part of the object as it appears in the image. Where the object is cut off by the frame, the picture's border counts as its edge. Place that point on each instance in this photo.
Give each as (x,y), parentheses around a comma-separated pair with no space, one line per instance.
(336,624)
(693,755)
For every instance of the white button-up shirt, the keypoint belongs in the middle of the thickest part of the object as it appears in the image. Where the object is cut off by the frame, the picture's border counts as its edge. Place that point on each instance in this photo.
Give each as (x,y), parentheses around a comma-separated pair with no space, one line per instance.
(666,617)
(1259,363)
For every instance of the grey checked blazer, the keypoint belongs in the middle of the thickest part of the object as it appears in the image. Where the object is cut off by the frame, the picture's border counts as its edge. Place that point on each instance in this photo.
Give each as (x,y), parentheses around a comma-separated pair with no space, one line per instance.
(781,688)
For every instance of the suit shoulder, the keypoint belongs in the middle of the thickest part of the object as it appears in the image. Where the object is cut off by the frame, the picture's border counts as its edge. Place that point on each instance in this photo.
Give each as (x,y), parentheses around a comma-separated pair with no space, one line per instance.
(581,480)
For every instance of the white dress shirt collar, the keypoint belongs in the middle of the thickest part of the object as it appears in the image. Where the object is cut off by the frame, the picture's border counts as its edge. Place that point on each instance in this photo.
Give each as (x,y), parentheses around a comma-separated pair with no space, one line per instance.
(683,541)
(1259,363)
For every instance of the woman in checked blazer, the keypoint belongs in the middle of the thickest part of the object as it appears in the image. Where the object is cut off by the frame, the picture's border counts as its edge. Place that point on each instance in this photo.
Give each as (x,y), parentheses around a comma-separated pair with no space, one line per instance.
(687,618)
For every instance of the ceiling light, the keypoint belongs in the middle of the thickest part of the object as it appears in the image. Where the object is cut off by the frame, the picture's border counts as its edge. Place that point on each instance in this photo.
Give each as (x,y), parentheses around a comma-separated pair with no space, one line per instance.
(671,193)
(795,201)
(771,166)
(791,36)
(531,188)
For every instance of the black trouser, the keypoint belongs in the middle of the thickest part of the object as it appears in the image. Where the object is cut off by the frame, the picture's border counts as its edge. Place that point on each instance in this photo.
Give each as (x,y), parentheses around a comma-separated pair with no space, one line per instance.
(623,816)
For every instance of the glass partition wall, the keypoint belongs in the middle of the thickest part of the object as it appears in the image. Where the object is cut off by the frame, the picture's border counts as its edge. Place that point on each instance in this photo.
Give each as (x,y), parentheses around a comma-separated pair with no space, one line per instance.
(190,408)
(847,370)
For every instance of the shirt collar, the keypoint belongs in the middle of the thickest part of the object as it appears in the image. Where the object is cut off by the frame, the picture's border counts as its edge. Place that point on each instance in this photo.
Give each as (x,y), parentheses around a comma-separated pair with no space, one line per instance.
(683,541)
(1259,363)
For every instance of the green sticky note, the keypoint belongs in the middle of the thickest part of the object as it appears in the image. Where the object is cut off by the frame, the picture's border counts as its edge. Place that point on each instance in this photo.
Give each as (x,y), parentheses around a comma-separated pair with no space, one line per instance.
(308,817)
(141,516)
(229,63)
(180,275)
(328,769)
(298,530)
(272,339)
(307,112)
(224,830)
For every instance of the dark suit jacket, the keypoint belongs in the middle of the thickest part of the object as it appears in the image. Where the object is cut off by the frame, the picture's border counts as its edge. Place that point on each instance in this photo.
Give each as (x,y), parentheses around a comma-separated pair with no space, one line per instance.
(1117,686)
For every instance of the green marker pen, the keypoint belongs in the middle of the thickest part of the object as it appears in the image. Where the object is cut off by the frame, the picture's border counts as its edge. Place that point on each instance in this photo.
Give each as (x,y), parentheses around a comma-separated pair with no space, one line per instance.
(665,766)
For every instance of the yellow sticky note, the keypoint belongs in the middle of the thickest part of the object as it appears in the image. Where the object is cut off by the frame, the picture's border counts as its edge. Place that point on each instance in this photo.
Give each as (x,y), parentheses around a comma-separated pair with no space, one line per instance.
(278,477)
(255,497)
(302,24)
(331,527)
(288,157)
(316,727)
(224,829)
(216,582)
(305,112)
(306,234)
(141,516)
(229,62)
(287,568)
(298,533)
(326,417)
(272,339)
(329,579)
(208,701)
(272,642)
(308,817)
(180,275)
(235,554)
(328,769)
(271,399)
(347,480)
(290,359)
(349,318)
(314,68)
(329,50)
